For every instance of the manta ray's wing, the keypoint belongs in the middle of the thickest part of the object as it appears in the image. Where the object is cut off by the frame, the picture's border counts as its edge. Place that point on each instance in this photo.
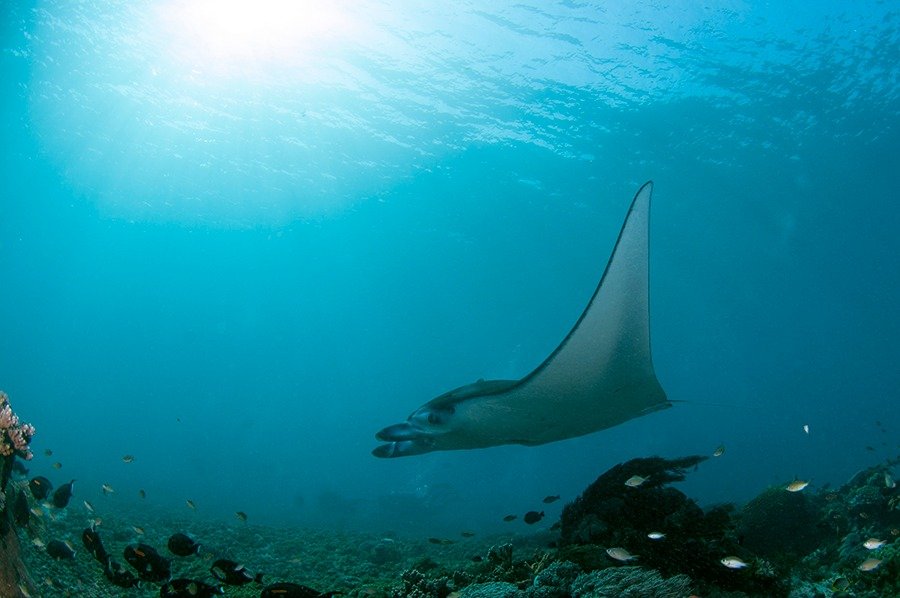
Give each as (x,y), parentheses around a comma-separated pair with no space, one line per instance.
(599,376)
(602,373)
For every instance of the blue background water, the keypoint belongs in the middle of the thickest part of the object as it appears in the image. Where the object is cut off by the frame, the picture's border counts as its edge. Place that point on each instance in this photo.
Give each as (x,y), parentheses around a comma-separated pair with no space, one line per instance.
(237,262)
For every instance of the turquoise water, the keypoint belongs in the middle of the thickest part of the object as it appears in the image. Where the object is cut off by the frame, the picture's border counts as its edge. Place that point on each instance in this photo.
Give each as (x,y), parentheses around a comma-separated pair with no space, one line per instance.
(237,244)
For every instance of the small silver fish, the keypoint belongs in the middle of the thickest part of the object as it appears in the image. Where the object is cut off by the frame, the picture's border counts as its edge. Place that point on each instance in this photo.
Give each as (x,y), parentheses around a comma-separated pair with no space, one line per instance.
(635,481)
(889,481)
(107,489)
(128,459)
(874,543)
(720,450)
(88,506)
(806,428)
(733,562)
(620,554)
(656,535)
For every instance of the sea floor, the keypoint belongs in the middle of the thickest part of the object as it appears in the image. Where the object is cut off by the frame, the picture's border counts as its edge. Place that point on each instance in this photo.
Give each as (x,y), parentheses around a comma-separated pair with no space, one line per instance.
(790,540)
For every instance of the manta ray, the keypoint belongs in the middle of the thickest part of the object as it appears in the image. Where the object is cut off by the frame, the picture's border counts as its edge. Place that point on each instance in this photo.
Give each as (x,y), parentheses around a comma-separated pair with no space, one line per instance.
(599,376)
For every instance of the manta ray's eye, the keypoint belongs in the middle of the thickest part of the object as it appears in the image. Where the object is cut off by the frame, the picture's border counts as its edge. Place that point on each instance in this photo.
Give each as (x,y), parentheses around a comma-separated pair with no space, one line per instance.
(439,417)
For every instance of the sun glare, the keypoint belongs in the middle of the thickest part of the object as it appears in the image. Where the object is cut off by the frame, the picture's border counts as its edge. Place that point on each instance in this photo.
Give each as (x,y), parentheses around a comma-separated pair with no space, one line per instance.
(241,31)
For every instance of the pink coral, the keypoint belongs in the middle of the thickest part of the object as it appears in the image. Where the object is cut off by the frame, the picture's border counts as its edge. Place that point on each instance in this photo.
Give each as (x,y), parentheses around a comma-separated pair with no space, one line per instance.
(14,435)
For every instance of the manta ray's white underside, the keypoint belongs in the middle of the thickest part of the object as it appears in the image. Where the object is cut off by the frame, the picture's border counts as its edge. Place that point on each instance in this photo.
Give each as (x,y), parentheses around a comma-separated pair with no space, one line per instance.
(599,376)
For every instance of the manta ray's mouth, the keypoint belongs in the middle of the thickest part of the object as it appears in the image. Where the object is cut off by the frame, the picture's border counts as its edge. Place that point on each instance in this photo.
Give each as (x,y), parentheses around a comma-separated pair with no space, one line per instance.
(402,432)
(404,448)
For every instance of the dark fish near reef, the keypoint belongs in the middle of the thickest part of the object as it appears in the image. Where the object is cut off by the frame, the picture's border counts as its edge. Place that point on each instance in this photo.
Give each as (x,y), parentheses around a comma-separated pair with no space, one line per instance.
(40,487)
(21,512)
(92,543)
(293,590)
(232,573)
(18,468)
(183,545)
(147,562)
(440,541)
(119,576)
(532,517)
(189,588)
(63,494)
(551,499)
(509,518)
(60,550)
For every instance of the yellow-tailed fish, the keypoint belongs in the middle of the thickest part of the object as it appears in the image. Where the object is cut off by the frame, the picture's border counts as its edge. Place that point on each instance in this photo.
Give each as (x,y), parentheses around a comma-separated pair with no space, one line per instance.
(620,554)
(797,486)
(869,564)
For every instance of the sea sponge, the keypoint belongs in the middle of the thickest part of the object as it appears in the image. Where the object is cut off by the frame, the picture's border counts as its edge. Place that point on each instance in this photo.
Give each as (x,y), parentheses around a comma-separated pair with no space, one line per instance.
(780,524)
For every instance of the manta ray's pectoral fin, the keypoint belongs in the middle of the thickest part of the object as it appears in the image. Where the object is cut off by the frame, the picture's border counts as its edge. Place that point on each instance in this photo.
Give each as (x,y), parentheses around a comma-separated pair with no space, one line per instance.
(599,376)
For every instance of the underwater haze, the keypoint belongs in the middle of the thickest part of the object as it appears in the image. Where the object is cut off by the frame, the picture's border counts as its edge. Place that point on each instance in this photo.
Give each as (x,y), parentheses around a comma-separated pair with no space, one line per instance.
(238,239)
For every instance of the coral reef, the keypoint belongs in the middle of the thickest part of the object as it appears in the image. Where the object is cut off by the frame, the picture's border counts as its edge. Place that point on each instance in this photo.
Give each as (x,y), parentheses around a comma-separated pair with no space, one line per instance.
(14,435)
(14,439)
(613,513)
(630,582)
(493,589)
(555,581)
(866,507)
(418,585)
